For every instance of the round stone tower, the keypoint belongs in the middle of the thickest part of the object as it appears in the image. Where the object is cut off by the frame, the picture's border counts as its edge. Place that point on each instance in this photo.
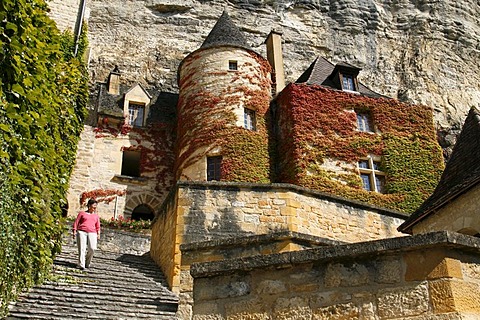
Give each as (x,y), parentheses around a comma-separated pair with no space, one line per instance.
(225,92)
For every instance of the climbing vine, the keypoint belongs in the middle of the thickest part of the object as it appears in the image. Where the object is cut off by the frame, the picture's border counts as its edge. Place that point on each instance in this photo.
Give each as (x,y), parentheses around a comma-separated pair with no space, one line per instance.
(207,121)
(317,124)
(154,142)
(43,94)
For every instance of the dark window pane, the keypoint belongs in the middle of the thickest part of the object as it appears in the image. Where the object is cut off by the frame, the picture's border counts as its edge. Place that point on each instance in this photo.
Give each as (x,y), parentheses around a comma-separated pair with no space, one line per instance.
(348,83)
(232,65)
(376,165)
(249,119)
(214,165)
(363,164)
(131,163)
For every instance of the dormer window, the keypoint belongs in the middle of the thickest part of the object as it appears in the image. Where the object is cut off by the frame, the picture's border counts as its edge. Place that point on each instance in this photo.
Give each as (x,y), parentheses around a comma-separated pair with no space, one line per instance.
(348,82)
(232,65)
(136,114)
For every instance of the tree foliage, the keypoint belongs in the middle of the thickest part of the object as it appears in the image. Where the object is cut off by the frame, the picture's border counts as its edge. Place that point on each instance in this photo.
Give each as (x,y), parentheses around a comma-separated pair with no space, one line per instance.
(43,94)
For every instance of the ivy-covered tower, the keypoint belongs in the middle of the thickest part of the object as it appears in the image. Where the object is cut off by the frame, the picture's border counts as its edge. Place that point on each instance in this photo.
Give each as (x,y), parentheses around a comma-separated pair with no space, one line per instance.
(225,91)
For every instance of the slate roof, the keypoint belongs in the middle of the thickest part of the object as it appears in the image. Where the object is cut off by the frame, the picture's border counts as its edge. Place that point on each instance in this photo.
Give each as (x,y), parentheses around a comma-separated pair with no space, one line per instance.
(461,173)
(320,72)
(225,33)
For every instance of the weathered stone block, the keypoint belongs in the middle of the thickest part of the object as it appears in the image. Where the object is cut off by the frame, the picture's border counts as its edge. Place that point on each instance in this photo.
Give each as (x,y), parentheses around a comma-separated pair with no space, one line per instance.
(270,287)
(337,312)
(389,270)
(291,308)
(246,310)
(403,301)
(346,275)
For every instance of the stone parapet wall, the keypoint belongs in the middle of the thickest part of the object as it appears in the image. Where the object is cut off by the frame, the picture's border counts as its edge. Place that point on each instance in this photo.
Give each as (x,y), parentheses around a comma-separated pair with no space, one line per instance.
(213,210)
(431,276)
(165,246)
(217,211)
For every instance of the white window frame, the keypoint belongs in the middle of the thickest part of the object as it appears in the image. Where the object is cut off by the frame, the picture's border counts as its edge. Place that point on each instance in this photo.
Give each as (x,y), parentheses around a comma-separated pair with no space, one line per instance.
(249,119)
(134,112)
(350,81)
(372,173)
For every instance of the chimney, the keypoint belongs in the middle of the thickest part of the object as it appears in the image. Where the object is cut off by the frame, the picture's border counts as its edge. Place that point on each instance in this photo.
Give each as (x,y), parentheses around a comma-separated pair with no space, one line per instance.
(114,81)
(275,57)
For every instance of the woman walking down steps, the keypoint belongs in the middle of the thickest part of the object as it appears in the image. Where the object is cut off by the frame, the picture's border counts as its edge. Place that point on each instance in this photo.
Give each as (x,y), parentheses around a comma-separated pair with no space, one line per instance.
(86,229)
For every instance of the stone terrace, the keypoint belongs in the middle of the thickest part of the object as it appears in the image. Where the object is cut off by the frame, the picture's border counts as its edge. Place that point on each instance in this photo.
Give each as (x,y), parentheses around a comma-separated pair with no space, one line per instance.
(117,286)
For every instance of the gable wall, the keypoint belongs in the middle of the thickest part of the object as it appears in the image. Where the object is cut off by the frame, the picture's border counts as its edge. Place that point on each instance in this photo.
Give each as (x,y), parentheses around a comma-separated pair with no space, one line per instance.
(461,215)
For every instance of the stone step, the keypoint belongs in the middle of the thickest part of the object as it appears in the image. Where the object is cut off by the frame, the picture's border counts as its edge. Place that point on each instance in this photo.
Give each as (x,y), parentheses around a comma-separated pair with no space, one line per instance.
(116,286)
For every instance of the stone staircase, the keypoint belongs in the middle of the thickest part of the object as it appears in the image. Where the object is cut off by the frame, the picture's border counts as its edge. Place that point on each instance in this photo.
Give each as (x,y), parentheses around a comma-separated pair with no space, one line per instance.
(116,286)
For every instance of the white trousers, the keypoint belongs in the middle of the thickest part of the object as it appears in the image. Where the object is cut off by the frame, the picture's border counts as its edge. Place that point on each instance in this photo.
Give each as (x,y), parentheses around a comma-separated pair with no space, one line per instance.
(84,239)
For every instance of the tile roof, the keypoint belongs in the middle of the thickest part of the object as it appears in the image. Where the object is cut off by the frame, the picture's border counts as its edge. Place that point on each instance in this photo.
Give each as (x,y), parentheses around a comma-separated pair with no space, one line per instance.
(319,73)
(225,33)
(461,173)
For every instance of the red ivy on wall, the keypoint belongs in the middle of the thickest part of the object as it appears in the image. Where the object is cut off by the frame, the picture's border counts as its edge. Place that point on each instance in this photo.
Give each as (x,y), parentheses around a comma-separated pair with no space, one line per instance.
(101,195)
(316,123)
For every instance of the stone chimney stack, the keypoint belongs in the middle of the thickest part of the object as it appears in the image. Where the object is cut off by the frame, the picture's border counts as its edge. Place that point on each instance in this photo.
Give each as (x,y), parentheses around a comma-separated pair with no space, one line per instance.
(114,81)
(275,57)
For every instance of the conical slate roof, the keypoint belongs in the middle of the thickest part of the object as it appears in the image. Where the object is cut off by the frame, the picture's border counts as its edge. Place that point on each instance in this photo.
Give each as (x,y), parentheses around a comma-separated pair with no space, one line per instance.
(225,33)
(461,173)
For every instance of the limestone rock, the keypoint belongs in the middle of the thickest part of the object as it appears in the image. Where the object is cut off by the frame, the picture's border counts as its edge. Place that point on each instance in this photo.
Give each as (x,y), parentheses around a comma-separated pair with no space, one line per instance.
(424,52)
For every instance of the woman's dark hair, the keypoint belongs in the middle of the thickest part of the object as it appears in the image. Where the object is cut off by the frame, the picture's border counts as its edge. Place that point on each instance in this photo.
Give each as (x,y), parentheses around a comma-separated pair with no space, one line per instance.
(91,201)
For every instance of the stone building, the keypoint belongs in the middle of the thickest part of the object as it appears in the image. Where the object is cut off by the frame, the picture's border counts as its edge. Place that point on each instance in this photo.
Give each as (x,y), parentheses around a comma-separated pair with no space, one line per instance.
(238,165)
(433,274)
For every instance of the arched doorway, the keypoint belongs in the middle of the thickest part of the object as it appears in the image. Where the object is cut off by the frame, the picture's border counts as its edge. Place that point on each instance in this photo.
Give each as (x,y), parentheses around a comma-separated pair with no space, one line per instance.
(143,212)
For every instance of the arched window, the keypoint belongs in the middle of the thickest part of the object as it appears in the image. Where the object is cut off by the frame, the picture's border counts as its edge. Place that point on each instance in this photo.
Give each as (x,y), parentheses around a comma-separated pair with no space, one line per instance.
(142,212)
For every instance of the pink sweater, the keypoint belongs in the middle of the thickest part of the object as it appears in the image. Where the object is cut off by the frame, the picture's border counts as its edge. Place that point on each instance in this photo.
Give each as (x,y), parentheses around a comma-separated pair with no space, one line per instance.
(87,222)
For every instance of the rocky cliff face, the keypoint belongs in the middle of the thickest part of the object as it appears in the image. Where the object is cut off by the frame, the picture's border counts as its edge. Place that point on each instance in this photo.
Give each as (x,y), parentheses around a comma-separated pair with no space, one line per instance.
(420,51)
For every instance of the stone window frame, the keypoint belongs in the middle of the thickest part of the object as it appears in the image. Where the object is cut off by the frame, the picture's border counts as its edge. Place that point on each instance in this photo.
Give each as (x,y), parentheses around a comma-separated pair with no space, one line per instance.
(214,168)
(368,168)
(249,119)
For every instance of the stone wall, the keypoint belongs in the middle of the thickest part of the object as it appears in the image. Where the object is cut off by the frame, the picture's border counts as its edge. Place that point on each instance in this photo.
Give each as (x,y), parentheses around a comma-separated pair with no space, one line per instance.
(461,215)
(65,13)
(239,247)
(432,276)
(98,167)
(113,240)
(200,211)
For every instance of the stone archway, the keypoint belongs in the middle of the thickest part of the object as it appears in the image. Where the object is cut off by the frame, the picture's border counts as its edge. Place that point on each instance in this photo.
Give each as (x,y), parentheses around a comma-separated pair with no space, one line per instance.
(142,212)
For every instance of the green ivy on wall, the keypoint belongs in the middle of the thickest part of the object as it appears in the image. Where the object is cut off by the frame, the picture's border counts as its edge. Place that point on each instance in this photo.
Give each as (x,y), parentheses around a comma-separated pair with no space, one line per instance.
(43,94)
(316,124)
